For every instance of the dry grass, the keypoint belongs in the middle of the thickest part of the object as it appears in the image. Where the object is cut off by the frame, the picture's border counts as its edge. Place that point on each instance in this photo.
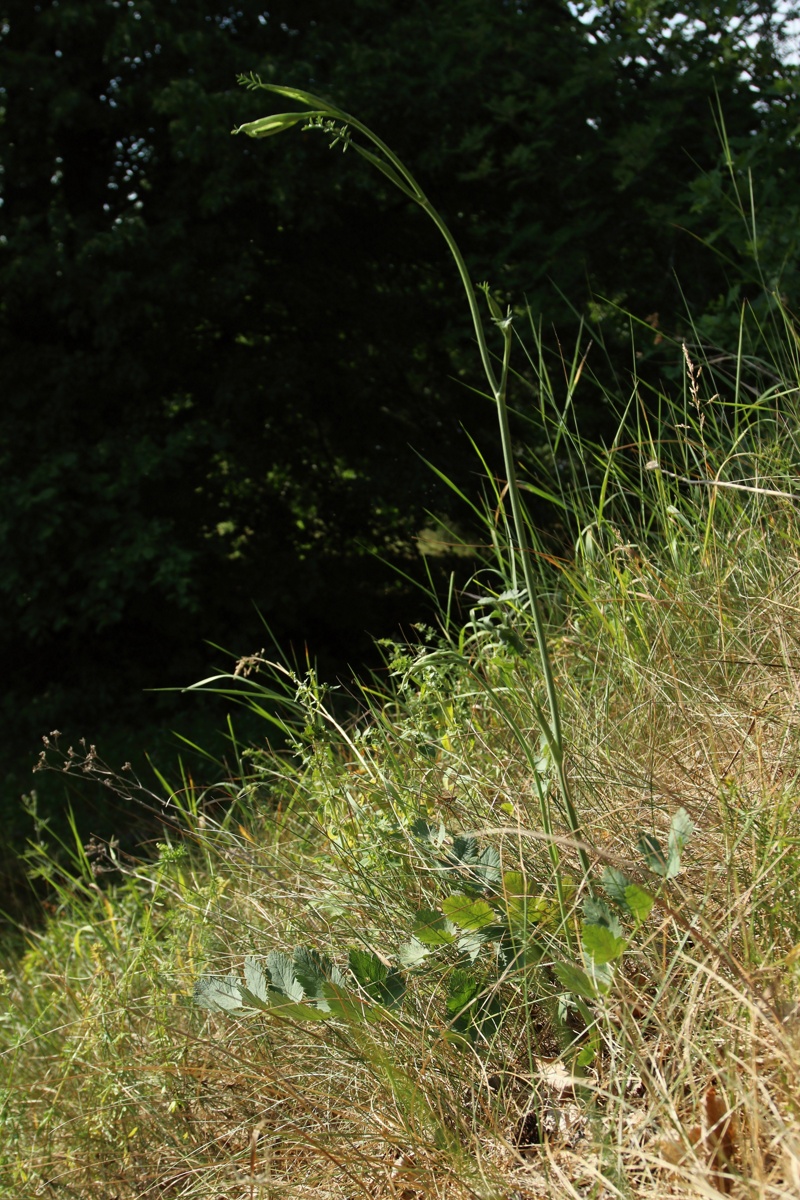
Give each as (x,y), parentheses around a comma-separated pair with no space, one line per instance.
(677,659)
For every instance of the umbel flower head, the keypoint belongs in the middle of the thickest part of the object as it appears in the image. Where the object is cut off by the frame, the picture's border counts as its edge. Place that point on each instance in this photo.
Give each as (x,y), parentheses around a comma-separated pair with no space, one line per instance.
(267,126)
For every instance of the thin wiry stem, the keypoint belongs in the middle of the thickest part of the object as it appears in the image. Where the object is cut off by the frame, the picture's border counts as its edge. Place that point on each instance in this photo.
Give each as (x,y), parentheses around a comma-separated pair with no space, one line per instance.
(393,169)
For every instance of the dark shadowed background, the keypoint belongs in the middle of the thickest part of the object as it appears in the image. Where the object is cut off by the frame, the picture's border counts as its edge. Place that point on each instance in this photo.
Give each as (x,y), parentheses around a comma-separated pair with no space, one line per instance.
(223,362)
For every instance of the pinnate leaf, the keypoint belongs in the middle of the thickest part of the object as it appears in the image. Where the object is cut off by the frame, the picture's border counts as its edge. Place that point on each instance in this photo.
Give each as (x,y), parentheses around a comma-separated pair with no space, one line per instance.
(468,914)
(219,994)
(600,944)
(574,979)
(639,903)
(282,976)
(430,928)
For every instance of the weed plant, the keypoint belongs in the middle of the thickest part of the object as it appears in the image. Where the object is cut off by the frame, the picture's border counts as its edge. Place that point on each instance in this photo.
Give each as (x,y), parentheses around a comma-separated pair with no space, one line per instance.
(386,961)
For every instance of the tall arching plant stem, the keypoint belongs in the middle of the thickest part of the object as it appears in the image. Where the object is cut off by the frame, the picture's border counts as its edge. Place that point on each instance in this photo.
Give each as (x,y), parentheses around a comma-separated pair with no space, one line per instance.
(338,124)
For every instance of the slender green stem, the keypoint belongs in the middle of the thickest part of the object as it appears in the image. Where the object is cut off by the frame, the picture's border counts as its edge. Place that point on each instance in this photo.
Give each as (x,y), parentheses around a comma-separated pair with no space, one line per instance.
(391,167)
(551,728)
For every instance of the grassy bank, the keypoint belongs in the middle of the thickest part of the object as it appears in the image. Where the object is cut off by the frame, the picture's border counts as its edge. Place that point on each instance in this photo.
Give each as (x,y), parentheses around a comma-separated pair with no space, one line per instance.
(377,964)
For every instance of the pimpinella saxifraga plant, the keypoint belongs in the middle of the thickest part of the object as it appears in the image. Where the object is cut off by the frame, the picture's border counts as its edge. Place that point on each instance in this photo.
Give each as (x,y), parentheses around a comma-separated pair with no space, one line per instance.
(344,130)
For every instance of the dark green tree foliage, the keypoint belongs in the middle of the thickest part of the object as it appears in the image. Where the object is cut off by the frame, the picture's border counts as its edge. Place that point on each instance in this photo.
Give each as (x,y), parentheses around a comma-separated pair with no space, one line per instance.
(216,354)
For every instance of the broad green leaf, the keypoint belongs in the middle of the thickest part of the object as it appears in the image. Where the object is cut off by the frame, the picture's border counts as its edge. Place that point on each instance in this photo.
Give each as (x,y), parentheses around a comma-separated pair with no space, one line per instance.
(600,944)
(367,967)
(219,994)
(639,903)
(430,928)
(349,1007)
(312,969)
(575,980)
(680,831)
(601,974)
(524,910)
(463,988)
(588,1054)
(468,914)
(472,943)
(487,868)
(279,1006)
(384,984)
(515,884)
(465,849)
(251,1000)
(393,988)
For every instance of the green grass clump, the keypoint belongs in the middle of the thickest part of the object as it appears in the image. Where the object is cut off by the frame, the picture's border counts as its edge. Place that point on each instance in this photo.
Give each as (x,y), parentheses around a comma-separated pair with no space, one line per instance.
(376,964)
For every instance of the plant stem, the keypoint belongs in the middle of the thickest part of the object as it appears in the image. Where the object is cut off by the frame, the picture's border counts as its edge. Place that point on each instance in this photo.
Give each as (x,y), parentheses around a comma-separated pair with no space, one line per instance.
(392,168)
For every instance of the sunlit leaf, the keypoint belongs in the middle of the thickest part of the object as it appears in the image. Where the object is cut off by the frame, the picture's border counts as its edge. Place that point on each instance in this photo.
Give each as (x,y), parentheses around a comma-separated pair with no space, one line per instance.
(468,914)
(600,944)
(268,126)
(255,979)
(638,902)
(430,928)
(219,994)
(282,976)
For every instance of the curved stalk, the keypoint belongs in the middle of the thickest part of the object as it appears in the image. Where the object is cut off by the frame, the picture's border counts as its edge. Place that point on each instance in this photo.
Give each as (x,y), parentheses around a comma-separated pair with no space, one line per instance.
(325,116)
